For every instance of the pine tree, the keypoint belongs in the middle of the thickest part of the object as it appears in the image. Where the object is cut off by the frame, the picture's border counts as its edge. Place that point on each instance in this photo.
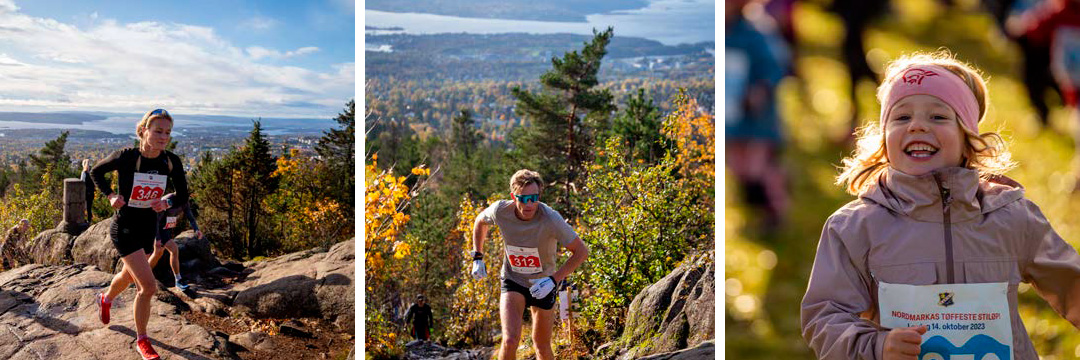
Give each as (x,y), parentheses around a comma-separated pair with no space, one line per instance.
(255,165)
(214,183)
(639,126)
(337,150)
(564,119)
(5,181)
(231,191)
(464,134)
(50,159)
(462,175)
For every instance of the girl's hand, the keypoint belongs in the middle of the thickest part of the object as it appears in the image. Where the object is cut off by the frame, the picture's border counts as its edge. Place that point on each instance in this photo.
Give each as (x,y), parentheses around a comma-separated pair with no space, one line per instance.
(117,201)
(904,343)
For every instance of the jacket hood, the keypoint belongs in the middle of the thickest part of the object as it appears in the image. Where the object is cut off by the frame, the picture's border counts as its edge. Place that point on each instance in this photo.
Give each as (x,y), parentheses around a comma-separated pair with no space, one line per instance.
(920,197)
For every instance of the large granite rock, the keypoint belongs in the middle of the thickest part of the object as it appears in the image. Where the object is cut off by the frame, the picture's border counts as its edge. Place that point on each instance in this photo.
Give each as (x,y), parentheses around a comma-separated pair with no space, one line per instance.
(51,247)
(94,247)
(195,258)
(674,313)
(195,254)
(49,312)
(704,351)
(310,283)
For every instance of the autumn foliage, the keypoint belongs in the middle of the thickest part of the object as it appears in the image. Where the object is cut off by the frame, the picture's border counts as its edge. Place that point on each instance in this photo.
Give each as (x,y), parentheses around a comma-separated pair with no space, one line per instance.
(386,200)
(474,314)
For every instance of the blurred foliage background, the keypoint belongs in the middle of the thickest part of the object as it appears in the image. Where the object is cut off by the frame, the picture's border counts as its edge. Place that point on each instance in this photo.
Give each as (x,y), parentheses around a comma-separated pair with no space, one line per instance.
(766,271)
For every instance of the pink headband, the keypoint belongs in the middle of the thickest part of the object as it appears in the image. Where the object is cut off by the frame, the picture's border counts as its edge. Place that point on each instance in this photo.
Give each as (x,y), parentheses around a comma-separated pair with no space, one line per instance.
(940,83)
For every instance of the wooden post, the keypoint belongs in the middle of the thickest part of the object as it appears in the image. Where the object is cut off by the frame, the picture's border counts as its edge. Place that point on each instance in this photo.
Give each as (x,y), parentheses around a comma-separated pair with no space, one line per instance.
(74,206)
(566,313)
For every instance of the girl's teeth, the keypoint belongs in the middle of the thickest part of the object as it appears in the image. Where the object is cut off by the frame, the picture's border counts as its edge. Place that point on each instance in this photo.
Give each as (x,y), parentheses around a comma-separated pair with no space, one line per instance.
(921,154)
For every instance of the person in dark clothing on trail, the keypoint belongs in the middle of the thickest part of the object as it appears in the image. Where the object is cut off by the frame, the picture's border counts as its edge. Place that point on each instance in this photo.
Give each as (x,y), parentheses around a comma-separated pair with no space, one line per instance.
(167,221)
(88,180)
(422,320)
(142,173)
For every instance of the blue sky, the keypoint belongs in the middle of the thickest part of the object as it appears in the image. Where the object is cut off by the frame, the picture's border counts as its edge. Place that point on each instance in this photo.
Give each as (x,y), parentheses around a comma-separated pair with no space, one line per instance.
(225,57)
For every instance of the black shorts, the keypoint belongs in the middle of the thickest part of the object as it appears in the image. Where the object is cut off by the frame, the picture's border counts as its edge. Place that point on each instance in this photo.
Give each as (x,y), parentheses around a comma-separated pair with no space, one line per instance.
(164,235)
(131,236)
(547,303)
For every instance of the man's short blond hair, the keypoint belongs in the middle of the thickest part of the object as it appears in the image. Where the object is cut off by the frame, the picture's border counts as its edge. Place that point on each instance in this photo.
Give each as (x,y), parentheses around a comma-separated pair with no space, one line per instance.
(523,178)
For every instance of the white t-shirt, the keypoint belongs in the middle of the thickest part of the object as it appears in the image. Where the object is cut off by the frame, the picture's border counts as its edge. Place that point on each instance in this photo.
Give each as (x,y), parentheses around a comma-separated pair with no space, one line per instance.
(530,246)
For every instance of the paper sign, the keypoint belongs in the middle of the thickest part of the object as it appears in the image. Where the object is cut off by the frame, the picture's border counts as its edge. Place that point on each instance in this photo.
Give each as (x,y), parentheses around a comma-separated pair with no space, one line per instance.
(964,321)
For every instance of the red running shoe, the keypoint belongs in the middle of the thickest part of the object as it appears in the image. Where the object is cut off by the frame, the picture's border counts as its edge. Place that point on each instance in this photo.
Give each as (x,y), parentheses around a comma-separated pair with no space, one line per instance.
(103,309)
(146,350)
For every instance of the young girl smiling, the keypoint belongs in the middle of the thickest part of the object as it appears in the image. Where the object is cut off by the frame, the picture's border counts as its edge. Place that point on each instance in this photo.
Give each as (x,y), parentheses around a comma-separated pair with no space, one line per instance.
(927,260)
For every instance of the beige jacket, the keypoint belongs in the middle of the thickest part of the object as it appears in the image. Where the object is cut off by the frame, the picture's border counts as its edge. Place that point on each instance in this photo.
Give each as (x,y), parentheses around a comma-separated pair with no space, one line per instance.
(902,232)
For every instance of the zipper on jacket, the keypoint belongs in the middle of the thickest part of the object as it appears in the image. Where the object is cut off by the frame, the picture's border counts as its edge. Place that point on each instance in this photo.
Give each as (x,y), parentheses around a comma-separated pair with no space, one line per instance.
(946,199)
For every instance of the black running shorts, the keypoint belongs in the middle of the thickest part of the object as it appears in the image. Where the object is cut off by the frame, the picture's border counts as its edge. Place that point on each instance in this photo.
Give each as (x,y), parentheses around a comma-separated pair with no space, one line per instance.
(130,236)
(547,303)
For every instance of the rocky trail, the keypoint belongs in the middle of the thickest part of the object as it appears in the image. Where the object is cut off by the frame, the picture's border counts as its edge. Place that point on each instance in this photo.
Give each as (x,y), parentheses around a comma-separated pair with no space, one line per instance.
(296,306)
(672,319)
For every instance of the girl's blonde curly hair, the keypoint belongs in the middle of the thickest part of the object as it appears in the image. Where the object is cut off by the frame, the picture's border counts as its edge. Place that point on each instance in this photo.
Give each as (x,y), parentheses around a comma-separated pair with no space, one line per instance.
(985,152)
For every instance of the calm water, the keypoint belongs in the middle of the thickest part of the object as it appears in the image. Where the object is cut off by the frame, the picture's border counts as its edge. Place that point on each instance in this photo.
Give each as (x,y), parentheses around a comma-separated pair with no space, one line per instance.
(670,22)
(126,125)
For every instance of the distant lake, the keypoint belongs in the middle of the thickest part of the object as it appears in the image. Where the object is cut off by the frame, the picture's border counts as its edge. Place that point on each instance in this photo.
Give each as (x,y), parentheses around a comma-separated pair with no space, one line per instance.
(126,125)
(670,22)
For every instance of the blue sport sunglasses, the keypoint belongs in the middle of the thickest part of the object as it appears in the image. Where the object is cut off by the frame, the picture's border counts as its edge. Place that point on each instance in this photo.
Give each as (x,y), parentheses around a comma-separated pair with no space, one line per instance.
(528,198)
(159,112)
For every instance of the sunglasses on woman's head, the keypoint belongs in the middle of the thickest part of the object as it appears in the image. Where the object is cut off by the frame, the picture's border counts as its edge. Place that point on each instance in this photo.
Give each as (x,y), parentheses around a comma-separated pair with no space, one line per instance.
(528,198)
(159,112)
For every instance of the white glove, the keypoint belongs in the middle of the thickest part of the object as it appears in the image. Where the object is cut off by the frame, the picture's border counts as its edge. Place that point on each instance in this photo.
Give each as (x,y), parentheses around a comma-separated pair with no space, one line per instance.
(542,287)
(479,271)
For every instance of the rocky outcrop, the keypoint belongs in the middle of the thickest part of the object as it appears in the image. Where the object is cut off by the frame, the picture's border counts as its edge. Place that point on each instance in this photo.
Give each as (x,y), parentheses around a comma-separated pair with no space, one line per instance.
(427,350)
(705,350)
(195,258)
(195,254)
(50,312)
(674,313)
(51,247)
(309,283)
(94,247)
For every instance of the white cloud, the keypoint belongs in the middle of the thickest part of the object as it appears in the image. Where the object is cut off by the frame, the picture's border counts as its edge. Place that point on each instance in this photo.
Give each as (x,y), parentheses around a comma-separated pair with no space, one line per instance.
(302,51)
(259,23)
(60,57)
(7,60)
(112,66)
(8,5)
(258,52)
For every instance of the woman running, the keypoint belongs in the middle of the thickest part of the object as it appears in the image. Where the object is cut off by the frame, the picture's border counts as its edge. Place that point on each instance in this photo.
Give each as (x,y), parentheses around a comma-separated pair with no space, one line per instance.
(143,173)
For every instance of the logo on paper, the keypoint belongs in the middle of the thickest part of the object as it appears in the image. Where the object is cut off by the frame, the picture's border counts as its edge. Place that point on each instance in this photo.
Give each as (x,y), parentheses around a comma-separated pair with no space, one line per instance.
(945,298)
(916,76)
(979,347)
